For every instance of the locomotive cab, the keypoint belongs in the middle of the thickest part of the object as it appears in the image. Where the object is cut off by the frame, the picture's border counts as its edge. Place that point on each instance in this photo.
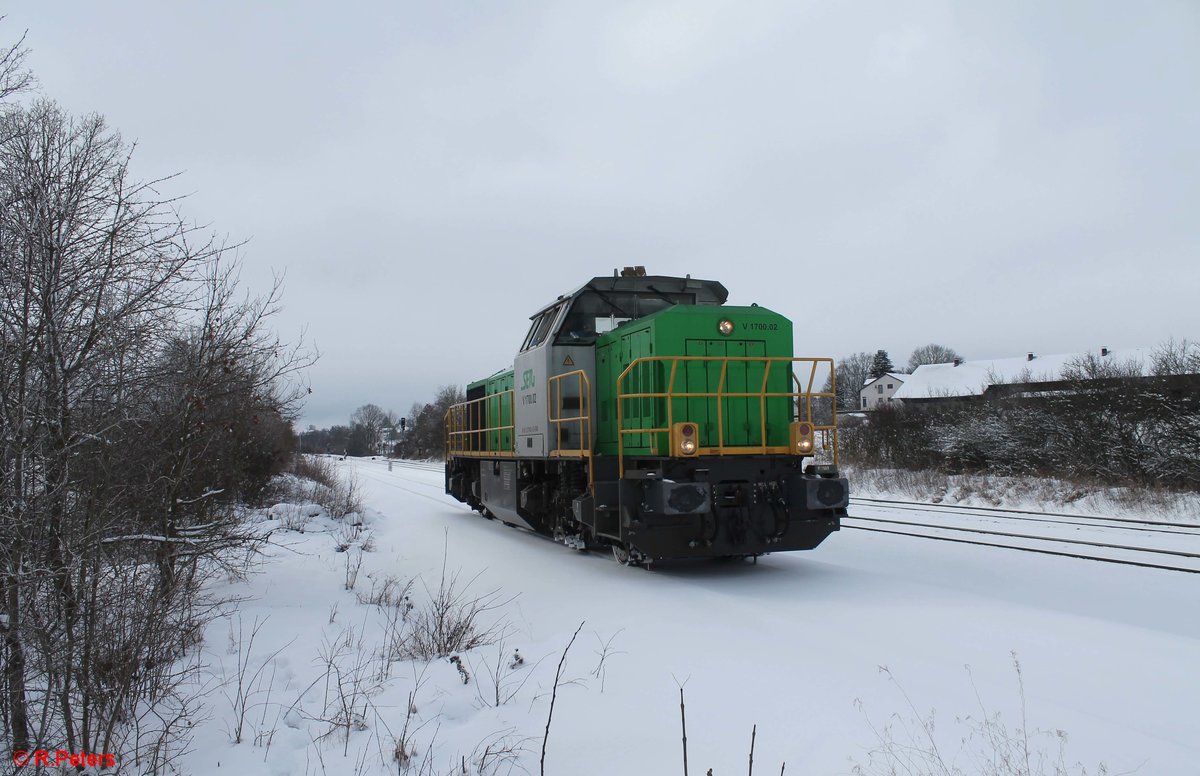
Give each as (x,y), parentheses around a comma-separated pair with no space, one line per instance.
(561,342)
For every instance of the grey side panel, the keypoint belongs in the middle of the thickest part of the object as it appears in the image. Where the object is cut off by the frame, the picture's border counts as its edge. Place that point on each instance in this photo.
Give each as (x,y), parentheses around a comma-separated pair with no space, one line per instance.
(531,368)
(498,481)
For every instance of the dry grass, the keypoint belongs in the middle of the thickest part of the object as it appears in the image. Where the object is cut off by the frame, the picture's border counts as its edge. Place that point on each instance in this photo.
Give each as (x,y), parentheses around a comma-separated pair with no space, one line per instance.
(1003,491)
(909,743)
(316,480)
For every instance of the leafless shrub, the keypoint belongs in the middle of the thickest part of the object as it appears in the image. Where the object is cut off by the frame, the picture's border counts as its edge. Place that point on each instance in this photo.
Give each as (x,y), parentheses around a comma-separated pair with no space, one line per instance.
(501,678)
(346,535)
(1062,428)
(558,681)
(909,743)
(317,480)
(243,688)
(404,748)
(501,750)
(353,564)
(350,686)
(1176,357)
(295,517)
(454,620)
(939,487)
(389,592)
(605,652)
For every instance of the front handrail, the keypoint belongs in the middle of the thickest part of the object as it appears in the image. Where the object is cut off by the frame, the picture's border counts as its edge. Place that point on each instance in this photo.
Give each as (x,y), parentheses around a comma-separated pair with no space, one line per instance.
(582,421)
(468,423)
(804,393)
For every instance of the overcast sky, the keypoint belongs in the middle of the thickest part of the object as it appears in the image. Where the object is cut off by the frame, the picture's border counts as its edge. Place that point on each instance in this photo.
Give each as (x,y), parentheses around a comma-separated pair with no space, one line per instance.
(997,177)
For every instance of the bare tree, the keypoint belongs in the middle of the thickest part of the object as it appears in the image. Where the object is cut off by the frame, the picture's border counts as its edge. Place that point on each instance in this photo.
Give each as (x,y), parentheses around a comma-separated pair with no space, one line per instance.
(931,354)
(14,76)
(372,421)
(1176,357)
(1090,366)
(852,373)
(425,435)
(140,395)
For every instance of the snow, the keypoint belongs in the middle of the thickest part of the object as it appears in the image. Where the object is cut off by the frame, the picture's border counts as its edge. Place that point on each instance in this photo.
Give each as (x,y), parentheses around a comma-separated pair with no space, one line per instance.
(897,376)
(971,378)
(793,645)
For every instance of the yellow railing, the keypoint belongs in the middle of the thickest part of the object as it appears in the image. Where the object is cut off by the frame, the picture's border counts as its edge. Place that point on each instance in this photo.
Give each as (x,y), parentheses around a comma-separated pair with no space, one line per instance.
(582,421)
(802,409)
(469,423)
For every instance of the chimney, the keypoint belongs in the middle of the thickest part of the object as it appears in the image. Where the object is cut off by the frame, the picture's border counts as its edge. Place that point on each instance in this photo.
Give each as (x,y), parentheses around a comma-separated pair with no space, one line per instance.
(957,361)
(1029,357)
(1103,351)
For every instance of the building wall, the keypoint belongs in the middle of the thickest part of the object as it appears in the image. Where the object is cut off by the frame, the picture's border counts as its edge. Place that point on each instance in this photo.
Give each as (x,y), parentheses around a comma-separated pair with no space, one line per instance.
(878,392)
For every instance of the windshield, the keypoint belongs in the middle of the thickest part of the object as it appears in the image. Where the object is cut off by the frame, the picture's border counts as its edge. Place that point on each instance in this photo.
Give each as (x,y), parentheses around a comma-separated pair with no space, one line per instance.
(595,312)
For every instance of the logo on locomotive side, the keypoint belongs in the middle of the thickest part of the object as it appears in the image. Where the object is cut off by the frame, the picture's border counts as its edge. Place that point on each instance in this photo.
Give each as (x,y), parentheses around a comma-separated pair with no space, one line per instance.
(526,379)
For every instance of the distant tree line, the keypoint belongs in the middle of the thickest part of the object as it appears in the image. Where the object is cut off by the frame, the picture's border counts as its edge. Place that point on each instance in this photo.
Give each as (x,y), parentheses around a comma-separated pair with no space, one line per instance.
(142,399)
(373,431)
(1104,422)
(368,433)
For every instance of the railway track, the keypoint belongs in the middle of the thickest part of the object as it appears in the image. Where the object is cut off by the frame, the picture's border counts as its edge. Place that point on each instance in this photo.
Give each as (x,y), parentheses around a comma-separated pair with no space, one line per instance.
(1146,543)
(1066,518)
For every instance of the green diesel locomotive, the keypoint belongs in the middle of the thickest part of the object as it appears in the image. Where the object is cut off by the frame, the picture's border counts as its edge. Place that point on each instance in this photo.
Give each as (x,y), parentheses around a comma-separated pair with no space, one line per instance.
(643,414)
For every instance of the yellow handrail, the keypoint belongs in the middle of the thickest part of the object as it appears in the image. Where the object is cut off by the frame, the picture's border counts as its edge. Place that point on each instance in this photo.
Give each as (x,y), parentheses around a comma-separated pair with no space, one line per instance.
(805,393)
(583,420)
(469,422)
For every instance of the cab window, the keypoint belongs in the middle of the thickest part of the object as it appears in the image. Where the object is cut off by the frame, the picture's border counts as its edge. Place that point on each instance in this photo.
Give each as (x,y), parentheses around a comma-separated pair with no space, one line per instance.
(541,328)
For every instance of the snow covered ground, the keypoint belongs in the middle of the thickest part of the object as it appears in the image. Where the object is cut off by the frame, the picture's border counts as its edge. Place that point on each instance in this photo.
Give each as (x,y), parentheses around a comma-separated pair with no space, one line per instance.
(793,645)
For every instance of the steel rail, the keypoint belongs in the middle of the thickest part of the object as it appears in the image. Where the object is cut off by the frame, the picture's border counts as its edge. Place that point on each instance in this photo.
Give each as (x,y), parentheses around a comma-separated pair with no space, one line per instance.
(1028,549)
(1079,521)
(968,509)
(985,532)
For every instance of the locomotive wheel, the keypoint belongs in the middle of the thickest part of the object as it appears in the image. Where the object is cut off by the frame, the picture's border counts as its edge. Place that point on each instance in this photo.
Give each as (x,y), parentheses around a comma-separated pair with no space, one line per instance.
(629,556)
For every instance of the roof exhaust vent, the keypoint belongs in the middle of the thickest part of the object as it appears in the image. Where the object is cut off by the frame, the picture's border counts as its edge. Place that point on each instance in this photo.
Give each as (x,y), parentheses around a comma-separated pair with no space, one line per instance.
(634,272)
(1029,357)
(1104,351)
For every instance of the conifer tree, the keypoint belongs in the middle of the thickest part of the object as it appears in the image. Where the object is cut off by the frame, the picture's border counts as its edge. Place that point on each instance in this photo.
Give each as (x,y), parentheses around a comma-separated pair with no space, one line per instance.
(881,364)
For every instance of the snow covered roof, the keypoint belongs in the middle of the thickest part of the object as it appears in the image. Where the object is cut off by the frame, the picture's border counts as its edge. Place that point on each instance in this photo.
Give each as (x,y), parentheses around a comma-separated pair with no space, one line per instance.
(898,376)
(972,378)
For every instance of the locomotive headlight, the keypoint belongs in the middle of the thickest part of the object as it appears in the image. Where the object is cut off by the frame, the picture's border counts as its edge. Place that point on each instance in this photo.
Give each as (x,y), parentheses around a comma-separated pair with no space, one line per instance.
(725,327)
(801,437)
(685,439)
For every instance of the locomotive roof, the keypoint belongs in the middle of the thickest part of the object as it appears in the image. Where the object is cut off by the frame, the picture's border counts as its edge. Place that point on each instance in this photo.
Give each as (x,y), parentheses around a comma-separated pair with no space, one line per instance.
(706,291)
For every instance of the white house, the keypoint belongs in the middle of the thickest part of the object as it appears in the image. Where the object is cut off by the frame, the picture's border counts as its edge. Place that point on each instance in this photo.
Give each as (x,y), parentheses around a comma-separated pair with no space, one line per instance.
(880,390)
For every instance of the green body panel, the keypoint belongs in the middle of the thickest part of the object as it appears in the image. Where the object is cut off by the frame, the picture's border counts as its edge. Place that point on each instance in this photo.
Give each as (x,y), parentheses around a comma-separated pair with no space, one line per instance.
(499,411)
(495,410)
(686,330)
